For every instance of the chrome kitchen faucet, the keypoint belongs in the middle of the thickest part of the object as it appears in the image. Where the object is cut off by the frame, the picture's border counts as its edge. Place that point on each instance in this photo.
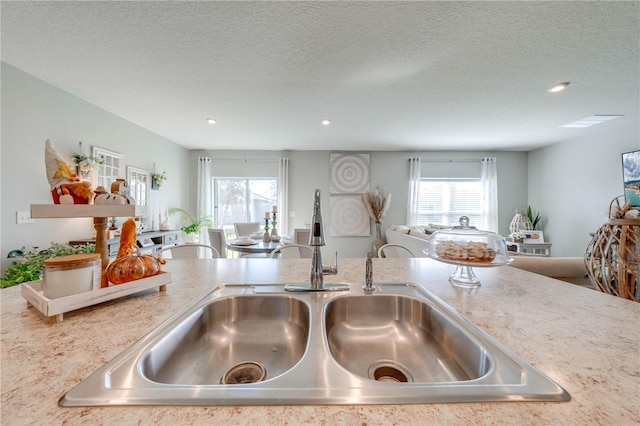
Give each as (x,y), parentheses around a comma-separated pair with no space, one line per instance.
(318,271)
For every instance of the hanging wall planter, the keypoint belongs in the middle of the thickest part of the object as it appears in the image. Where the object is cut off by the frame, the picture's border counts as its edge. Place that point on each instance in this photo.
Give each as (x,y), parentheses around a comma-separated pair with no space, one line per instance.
(158,179)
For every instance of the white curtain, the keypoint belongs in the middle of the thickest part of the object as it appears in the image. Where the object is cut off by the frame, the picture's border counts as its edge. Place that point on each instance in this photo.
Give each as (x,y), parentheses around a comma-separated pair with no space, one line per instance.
(415,165)
(489,177)
(205,195)
(283,196)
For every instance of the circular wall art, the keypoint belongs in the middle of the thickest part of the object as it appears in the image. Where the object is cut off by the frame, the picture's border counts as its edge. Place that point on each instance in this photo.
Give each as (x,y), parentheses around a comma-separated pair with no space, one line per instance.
(349,216)
(349,173)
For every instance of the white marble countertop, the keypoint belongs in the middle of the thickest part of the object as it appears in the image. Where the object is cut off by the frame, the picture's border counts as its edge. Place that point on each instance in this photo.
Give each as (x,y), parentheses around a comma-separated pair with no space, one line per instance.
(586,341)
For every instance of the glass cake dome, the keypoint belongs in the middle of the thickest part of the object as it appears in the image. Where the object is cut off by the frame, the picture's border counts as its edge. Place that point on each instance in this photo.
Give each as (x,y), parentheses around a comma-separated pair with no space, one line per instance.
(466,247)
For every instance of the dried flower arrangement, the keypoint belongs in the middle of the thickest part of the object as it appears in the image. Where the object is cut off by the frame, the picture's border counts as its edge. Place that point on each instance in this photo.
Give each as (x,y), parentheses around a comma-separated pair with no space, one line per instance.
(377,204)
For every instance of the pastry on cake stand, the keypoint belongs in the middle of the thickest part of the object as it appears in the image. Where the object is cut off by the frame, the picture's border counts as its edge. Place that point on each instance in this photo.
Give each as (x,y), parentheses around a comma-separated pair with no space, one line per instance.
(467,247)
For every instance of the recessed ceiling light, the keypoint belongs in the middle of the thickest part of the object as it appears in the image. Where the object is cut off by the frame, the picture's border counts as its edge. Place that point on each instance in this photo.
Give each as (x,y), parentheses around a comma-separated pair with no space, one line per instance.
(558,87)
(592,120)
(326,122)
(211,120)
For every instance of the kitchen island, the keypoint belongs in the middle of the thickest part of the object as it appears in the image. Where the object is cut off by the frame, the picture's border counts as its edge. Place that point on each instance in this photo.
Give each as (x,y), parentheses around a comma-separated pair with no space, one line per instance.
(586,341)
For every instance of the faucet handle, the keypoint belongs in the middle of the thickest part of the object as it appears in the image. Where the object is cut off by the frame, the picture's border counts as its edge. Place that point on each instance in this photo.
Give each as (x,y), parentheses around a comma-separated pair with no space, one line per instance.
(368,276)
(331,270)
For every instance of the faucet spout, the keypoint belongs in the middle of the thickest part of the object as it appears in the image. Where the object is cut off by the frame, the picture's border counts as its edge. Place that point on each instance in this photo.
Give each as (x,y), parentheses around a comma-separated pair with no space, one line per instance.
(316,237)
(317,270)
(368,286)
(316,240)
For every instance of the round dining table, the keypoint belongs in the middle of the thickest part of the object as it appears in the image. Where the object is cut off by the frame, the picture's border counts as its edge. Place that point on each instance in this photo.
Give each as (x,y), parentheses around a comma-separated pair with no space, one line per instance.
(259,247)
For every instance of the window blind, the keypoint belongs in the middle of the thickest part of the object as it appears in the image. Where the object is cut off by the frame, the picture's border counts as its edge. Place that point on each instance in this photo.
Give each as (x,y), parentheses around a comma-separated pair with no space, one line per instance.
(444,201)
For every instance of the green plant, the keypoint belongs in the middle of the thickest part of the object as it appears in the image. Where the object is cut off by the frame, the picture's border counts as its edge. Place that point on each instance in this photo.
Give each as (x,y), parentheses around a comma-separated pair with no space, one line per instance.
(534,220)
(159,179)
(191,224)
(33,266)
(85,163)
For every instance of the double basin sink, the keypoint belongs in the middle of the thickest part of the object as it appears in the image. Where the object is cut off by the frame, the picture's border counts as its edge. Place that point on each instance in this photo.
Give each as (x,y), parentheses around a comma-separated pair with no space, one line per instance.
(260,345)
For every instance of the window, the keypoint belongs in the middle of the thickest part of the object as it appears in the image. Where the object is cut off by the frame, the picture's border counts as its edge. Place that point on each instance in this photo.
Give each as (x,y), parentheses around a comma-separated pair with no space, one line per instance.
(110,170)
(138,180)
(243,200)
(443,201)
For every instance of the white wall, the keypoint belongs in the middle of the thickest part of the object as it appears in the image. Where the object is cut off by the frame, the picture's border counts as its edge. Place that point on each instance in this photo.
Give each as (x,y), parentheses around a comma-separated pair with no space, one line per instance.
(572,184)
(309,170)
(33,111)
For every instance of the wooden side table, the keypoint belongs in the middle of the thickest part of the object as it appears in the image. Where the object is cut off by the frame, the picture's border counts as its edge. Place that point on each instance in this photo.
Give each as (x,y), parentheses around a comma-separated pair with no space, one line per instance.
(535,248)
(159,239)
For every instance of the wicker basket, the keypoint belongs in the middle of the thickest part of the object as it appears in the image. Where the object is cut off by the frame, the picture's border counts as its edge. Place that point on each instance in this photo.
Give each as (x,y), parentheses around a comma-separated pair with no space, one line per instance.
(613,258)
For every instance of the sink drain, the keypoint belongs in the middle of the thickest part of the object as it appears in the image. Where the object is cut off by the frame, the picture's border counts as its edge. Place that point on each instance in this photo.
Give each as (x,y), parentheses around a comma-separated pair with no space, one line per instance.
(243,373)
(389,371)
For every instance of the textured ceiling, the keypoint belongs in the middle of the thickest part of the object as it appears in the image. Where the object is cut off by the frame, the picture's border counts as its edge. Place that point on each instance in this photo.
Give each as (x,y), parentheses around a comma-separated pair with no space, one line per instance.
(390,75)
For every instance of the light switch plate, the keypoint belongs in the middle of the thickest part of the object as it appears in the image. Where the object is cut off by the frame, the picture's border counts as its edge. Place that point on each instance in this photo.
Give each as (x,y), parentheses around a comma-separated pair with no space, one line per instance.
(23,218)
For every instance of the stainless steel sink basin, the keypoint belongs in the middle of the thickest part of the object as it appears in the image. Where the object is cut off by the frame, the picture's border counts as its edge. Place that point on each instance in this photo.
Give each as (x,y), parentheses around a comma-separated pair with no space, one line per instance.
(238,339)
(401,339)
(257,345)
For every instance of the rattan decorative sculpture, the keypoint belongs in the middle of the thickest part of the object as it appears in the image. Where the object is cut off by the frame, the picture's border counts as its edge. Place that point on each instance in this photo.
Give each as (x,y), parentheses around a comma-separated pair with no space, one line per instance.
(613,256)
(520,222)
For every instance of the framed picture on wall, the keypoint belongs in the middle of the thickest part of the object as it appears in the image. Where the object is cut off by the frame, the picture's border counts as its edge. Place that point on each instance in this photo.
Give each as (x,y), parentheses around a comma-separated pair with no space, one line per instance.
(532,237)
(631,177)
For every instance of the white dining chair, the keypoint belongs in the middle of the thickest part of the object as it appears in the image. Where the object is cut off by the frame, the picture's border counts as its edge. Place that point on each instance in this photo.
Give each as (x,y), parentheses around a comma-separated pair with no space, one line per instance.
(245,229)
(189,251)
(301,236)
(218,240)
(292,251)
(395,250)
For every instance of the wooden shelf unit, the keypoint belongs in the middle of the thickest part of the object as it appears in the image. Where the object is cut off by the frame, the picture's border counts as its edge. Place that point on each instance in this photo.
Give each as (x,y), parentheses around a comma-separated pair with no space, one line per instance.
(99,213)
(49,211)
(54,308)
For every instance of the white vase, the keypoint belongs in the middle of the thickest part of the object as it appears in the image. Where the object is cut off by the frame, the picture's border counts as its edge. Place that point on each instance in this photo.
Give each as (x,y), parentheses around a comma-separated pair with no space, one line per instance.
(520,222)
(88,175)
(192,238)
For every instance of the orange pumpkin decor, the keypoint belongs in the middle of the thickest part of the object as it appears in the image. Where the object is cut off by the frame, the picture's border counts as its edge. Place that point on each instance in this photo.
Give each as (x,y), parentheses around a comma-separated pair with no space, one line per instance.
(133,267)
(130,265)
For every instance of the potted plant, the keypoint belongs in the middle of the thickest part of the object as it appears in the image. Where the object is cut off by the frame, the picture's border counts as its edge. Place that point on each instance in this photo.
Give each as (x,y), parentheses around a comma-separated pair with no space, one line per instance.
(191,224)
(85,164)
(534,220)
(158,179)
(33,265)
